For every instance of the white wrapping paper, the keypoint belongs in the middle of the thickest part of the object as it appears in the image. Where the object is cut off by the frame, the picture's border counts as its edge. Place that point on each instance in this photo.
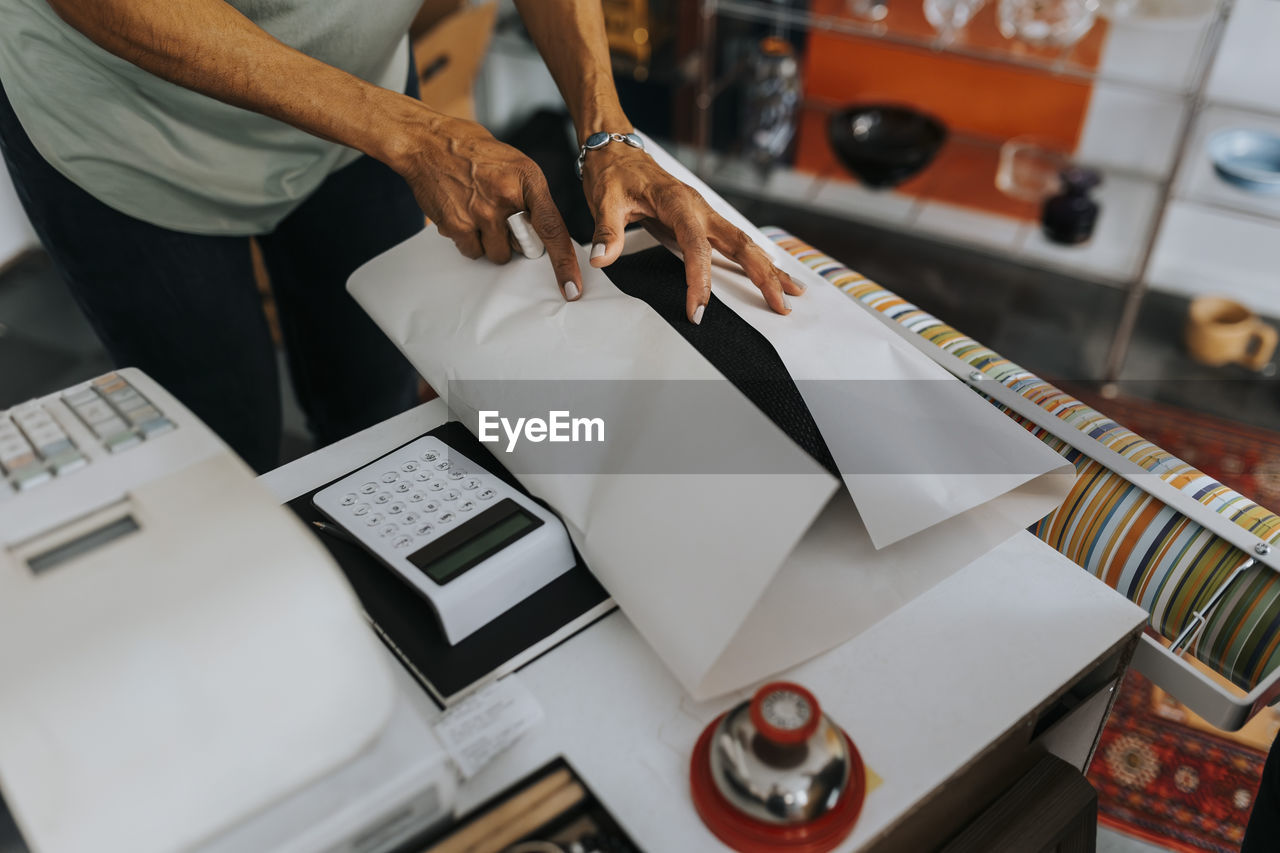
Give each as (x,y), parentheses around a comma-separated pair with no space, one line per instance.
(732,573)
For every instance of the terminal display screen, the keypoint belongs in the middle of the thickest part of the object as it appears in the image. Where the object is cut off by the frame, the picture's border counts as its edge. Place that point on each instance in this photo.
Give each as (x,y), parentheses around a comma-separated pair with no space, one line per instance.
(471,543)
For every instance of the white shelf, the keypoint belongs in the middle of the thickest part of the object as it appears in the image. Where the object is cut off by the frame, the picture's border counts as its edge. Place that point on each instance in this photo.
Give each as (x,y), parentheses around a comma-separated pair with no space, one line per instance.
(1128,209)
(1203,250)
(1135,53)
(1198,181)
(1247,70)
(1128,202)
(1131,130)
(956,224)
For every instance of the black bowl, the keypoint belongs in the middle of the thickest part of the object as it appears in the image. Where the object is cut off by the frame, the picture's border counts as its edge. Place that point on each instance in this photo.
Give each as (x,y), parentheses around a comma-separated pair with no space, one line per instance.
(883,145)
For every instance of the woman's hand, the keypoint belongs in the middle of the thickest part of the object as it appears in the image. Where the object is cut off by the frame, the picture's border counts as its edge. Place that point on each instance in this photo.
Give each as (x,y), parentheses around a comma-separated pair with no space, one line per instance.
(624,185)
(468,183)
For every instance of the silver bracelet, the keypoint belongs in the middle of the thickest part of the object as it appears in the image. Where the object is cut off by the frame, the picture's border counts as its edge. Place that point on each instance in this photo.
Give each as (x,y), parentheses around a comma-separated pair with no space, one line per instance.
(600,140)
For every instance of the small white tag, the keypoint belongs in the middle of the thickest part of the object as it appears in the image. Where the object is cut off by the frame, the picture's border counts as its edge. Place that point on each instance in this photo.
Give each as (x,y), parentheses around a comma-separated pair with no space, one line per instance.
(484,724)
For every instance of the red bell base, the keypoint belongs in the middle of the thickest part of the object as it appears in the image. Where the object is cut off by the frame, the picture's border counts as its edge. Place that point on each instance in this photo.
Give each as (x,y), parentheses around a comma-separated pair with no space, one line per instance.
(748,835)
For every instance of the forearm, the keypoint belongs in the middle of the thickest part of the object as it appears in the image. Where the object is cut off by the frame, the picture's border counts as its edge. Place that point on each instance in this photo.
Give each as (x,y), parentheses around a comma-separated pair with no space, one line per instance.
(209,47)
(570,35)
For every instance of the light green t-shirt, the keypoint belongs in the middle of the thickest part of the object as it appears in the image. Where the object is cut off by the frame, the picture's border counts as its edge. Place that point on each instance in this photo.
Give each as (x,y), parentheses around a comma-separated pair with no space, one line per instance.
(170,156)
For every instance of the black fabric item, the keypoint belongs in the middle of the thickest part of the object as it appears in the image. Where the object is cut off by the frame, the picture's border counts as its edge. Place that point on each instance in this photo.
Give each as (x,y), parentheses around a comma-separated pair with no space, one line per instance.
(1263,832)
(743,355)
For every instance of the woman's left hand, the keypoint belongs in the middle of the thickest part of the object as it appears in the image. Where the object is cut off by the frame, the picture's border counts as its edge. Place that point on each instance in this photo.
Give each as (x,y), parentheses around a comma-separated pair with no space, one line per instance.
(624,185)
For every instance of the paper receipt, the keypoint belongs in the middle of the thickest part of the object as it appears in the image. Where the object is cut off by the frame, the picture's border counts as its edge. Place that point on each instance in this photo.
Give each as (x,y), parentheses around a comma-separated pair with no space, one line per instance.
(481,726)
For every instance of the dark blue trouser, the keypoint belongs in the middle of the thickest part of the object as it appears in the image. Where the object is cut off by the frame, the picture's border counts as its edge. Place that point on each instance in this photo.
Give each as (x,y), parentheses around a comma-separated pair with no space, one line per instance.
(184,309)
(1263,834)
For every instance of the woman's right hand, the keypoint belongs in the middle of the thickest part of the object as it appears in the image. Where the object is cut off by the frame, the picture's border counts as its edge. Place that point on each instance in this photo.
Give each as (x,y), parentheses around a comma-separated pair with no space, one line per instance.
(468,183)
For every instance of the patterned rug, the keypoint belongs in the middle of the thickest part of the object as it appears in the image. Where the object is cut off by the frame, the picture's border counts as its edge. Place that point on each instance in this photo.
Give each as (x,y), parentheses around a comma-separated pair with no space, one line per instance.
(1158,776)
(1170,783)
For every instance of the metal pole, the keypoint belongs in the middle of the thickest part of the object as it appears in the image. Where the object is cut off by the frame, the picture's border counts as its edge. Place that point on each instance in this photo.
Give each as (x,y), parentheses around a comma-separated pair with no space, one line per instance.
(706,66)
(1138,288)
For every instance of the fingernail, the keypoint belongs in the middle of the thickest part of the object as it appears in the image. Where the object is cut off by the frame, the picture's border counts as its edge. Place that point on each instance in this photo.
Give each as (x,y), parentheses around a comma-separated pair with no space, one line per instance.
(786,302)
(697,314)
(800,284)
(597,250)
(571,291)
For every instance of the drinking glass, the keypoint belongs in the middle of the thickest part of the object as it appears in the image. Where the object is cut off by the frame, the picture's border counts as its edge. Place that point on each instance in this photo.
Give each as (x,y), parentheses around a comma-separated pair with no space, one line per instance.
(1056,23)
(950,16)
(1029,169)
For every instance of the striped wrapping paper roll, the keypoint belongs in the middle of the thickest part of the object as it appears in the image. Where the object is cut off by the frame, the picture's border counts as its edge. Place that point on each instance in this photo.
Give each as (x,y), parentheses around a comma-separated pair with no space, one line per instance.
(1157,557)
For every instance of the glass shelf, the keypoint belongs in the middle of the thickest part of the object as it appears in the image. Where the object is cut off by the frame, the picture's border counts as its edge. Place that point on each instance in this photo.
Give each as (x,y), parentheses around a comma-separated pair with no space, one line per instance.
(930,205)
(1114,52)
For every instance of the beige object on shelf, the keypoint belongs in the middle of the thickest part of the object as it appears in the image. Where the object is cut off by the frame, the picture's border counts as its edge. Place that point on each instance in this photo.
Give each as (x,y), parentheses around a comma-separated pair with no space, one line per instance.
(1220,331)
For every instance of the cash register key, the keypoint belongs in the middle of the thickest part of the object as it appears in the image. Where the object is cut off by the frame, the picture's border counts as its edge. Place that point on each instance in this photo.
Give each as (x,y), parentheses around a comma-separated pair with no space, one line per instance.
(382,497)
(446,518)
(349,499)
(54,446)
(390,477)
(155,426)
(76,399)
(417,497)
(368,488)
(487,494)
(409,467)
(15,455)
(471,485)
(436,486)
(374,520)
(9,434)
(30,477)
(67,461)
(108,382)
(362,509)
(456,474)
(403,487)
(127,400)
(443,465)
(389,530)
(122,441)
(451,495)
(403,542)
(104,428)
(142,414)
(411,518)
(466,506)
(395,508)
(95,411)
(430,506)
(424,530)
(430,456)
(422,476)
(112,426)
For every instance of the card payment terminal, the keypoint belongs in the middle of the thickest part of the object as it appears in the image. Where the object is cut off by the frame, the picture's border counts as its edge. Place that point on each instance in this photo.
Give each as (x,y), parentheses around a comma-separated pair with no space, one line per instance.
(468,542)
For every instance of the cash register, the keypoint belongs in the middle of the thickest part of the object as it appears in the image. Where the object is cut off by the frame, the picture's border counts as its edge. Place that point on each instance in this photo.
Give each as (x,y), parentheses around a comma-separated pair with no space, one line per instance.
(182,666)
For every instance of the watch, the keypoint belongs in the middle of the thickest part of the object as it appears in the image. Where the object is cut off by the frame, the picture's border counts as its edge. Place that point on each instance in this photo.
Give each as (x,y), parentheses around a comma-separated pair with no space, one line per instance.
(600,140)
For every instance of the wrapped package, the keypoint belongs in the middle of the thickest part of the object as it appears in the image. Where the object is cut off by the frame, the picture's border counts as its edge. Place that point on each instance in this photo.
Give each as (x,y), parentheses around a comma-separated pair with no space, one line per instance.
(737,542)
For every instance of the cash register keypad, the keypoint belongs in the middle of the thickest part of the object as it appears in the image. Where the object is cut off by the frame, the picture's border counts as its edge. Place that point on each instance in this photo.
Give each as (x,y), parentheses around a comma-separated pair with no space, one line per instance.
(35,447)
(414,494)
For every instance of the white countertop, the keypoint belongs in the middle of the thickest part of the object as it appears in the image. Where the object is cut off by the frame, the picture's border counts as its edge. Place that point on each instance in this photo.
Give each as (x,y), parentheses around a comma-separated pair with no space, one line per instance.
(921,693)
